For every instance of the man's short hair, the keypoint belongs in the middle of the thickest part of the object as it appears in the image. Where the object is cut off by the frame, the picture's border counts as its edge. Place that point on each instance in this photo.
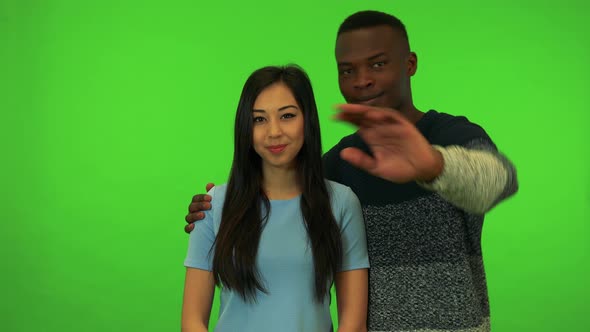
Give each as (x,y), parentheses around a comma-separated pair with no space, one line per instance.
(370,19)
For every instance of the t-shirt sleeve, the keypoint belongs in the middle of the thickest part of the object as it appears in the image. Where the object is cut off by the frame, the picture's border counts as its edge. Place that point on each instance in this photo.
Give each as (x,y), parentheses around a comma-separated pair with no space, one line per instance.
(200,253)
(354,239)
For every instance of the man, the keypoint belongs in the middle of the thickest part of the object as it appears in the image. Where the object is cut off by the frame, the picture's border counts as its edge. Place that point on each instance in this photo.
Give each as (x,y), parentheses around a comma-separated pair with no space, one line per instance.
(424,180)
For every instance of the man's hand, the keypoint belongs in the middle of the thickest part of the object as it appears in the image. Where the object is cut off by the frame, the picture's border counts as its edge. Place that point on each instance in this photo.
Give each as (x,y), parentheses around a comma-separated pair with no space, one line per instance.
(199,204)
(400,153)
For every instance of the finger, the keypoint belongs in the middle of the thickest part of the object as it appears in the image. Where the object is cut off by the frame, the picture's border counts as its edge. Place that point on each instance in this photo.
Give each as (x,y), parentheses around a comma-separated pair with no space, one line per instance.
(350,113)
(199,206)
(359,110)
(391,126)
(194,216)
(355,108)
(189,228)
(358,158)
(381,117)
(380,136)
(209,186)
(354,119)
(201,198)
(392,116)
(371,116)
(360,119)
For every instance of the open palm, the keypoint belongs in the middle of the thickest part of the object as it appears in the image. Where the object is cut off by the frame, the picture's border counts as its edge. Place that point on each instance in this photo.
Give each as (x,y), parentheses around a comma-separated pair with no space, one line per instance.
(400,152)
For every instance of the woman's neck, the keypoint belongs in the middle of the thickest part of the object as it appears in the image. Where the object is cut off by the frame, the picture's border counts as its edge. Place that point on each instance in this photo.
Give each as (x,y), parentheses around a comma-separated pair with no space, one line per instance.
(280,183)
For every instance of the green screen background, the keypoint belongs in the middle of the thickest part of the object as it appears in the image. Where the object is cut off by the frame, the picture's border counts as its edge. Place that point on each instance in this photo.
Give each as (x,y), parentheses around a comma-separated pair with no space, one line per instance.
(114,113)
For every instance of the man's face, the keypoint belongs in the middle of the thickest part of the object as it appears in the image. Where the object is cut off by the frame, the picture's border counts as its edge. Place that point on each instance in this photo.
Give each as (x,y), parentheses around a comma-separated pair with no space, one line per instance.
(374,67)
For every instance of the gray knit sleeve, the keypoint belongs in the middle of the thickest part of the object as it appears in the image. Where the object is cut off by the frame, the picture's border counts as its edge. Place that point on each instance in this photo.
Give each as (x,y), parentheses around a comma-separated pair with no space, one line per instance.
(475,178)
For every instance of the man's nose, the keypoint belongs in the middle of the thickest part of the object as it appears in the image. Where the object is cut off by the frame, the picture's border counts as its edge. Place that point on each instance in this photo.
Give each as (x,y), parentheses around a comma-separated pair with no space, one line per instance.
(363,80)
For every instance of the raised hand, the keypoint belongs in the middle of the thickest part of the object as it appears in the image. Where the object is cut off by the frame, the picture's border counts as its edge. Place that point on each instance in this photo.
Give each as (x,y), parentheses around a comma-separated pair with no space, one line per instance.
(400,152)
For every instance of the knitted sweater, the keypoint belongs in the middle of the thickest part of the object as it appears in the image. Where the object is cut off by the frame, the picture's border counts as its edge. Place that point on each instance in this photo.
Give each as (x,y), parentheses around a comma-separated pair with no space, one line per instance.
(427,271)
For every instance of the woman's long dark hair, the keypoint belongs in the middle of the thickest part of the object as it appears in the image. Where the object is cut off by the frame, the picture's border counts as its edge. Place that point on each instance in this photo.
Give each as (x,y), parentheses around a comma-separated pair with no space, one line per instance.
(236,245)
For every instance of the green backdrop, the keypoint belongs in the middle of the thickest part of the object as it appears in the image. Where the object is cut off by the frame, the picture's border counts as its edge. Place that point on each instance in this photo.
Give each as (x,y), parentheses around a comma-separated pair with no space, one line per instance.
(114,113)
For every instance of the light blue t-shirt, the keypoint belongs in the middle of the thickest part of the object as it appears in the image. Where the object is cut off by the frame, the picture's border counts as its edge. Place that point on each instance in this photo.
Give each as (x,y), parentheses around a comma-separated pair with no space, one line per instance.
(285,264)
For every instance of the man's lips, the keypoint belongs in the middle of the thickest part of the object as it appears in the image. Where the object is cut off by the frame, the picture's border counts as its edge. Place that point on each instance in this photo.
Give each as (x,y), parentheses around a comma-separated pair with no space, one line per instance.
(276,148)
(369,99)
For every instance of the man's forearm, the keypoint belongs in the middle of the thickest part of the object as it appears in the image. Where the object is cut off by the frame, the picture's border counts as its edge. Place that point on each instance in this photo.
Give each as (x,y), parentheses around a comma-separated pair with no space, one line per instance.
(474,180)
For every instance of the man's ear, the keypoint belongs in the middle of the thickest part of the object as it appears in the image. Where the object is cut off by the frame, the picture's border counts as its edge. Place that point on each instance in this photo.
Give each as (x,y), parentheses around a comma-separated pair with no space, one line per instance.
(412,64)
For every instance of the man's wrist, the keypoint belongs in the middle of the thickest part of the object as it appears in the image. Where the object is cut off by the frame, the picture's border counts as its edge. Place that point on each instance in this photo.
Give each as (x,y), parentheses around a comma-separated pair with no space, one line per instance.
(436,169)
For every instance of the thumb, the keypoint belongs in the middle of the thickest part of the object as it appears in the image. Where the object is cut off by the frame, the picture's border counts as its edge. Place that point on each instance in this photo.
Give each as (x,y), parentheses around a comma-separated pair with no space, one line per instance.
(209,186)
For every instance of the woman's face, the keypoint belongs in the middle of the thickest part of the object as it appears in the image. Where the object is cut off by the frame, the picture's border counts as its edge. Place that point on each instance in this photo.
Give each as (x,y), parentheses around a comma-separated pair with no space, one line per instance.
(278,127)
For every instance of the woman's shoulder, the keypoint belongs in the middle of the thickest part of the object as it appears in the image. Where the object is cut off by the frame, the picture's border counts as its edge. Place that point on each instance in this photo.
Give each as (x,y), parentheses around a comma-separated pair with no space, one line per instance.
(341,196)
(217,194)
(335,188)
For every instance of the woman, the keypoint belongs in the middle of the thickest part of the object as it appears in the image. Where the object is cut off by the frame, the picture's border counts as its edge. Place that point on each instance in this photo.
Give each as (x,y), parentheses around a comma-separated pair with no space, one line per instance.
(278,234)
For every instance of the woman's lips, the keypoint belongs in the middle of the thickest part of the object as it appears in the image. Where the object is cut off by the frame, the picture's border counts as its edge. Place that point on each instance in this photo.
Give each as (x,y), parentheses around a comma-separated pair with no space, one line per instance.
(276,148)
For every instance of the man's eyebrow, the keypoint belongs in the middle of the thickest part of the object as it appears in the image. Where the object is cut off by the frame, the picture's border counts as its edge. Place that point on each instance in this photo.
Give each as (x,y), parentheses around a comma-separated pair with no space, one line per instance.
(372,57)
(376,56)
